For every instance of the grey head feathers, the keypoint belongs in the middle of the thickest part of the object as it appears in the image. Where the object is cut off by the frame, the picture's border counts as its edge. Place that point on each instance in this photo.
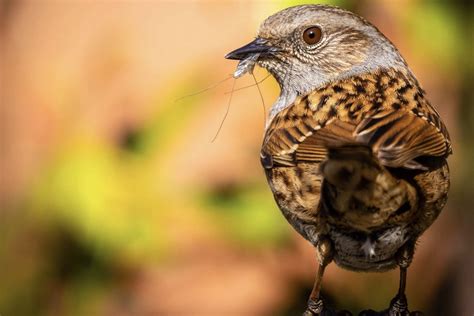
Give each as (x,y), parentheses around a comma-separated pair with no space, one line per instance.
(349,45)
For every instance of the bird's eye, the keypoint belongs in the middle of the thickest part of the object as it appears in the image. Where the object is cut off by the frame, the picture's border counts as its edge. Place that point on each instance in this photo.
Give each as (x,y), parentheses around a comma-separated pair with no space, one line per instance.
(312,35)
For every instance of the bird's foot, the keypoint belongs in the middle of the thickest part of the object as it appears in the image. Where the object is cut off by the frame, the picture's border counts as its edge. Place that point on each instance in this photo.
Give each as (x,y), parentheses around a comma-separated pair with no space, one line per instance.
(398,307)
(314,308)
(317,308)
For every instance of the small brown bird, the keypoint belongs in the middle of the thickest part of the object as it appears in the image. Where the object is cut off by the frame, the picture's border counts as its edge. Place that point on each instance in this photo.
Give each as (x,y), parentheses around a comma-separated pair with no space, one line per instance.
(354,153)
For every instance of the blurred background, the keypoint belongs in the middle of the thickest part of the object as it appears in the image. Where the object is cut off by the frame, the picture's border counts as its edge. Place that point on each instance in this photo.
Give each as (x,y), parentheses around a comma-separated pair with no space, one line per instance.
(114,200)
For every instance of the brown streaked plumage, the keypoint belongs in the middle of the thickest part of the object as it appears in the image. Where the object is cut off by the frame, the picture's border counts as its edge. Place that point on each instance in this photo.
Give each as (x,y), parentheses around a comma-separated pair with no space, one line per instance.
(353,151)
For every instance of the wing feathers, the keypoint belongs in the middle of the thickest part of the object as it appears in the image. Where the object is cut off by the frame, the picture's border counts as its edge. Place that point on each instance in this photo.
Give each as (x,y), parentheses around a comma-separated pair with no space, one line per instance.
(397,135)
(400,137)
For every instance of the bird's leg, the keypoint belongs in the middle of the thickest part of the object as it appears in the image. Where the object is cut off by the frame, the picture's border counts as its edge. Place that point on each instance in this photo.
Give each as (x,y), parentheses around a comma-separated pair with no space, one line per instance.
(325,254)
(399,304)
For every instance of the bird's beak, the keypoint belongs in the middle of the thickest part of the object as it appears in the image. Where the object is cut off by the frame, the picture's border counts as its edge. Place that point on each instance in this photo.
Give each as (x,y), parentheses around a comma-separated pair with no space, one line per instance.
(258,46)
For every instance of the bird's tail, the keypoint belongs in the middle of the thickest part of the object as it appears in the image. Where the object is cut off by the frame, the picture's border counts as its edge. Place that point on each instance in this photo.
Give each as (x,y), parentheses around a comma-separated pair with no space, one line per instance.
(359,192)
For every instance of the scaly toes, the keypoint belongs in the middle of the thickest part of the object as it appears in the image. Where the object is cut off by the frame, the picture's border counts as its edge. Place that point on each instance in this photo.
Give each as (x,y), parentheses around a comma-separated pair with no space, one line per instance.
(314,307)
(398,307)
(317,308)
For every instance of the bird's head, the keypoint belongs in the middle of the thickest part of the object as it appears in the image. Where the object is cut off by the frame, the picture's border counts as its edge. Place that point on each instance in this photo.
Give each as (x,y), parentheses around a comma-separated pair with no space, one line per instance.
(305,47)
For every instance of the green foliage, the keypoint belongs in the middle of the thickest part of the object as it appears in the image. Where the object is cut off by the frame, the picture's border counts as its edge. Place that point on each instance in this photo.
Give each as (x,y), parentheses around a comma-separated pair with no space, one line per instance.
(436,31)
(247,215)
(102,197)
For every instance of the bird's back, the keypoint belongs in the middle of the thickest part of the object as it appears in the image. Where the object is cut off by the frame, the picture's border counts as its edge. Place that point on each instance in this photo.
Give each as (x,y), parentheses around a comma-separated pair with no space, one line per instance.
(361,160)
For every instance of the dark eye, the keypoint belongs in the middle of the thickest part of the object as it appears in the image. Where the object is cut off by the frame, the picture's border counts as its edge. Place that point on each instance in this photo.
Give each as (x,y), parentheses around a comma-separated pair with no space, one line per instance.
(312,35)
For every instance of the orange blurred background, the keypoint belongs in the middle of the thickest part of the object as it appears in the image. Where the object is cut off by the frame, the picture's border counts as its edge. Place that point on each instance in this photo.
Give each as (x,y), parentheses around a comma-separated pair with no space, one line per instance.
(114,200)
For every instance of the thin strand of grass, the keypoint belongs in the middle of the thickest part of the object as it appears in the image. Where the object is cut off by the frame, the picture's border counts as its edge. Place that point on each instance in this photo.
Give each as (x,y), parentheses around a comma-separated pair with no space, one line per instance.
(226,113)
(203,90)
(263,101)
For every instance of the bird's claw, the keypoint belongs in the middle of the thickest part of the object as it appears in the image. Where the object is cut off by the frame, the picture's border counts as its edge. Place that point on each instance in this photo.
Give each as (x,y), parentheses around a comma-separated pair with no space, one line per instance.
(314,307)
(398,307)
(317,308)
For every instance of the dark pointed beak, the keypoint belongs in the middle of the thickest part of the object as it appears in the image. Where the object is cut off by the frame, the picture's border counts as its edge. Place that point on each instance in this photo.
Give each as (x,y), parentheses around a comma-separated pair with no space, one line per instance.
(256,47)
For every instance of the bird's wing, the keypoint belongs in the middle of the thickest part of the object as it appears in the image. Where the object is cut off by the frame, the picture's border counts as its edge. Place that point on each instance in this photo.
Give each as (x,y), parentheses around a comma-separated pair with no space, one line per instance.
(290,145)
(301,134)
(397,135)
